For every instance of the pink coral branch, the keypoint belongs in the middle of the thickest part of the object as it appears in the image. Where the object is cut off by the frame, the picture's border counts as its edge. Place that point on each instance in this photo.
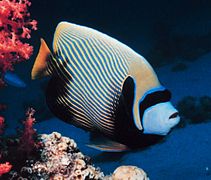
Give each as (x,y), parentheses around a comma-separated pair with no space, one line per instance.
(15,26)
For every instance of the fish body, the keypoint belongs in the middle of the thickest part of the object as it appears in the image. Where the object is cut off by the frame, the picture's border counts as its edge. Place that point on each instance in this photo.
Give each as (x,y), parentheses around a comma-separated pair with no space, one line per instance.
(103,86)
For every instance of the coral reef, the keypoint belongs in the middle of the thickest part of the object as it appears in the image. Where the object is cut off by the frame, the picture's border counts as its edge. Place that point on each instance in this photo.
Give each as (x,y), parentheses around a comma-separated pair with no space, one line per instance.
(194,110)
(51,156)
(61,159)
(58,157)
(15,151)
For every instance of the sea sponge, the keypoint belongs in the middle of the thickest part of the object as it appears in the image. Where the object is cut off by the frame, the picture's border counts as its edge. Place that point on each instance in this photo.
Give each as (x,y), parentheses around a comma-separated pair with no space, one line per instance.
(129,173)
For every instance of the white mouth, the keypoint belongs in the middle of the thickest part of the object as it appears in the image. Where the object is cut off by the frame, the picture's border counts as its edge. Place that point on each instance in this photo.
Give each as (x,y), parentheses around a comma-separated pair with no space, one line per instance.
(160,119)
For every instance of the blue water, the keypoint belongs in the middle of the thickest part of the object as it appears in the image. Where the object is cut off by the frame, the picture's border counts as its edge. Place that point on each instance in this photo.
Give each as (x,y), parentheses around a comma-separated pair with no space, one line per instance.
(166,33)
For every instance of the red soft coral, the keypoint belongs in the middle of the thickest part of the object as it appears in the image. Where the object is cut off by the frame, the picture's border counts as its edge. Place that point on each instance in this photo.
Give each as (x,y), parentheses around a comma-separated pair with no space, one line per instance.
(27,142)
(5,168)
(15,25)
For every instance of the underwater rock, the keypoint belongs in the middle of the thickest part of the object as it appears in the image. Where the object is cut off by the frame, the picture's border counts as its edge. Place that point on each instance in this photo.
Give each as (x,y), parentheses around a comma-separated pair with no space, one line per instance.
(194,110)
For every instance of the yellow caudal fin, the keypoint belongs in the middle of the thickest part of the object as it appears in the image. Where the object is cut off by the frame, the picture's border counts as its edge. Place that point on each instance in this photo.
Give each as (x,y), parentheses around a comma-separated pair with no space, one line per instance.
(40,66)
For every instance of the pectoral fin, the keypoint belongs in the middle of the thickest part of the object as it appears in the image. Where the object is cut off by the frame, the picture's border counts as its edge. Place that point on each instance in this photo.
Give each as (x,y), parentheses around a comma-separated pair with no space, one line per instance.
(107,145)
(109,148)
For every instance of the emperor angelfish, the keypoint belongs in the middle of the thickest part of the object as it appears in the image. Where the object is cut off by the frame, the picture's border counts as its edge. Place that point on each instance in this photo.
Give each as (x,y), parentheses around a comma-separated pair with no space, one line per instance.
(101,85)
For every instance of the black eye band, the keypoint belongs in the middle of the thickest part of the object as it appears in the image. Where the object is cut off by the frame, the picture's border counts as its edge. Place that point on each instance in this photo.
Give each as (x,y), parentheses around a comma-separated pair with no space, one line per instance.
(153,99)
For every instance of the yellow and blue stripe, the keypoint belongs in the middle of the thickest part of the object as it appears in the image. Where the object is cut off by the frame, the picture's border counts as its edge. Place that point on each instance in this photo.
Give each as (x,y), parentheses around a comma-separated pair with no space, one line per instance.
(93,68)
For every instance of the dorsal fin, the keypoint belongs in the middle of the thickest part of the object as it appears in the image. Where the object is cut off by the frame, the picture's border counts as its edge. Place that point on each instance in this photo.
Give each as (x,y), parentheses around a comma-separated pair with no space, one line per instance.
(40,66)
